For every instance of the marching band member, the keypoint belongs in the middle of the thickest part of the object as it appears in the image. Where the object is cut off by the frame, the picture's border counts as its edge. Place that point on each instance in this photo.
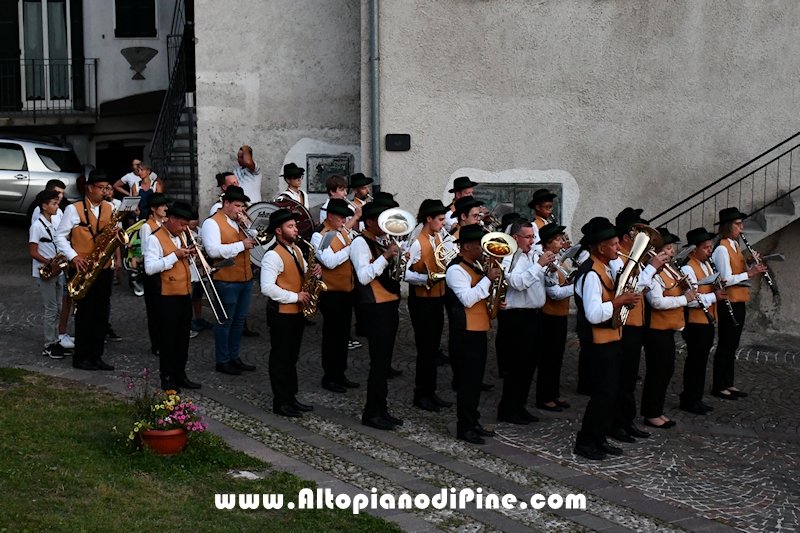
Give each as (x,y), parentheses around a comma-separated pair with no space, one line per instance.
(283,272)
(224,180)
(336,304)
(157,203)
(336,186)
(82,223)
(523,312)
(699,333)
(597,301)
(666,299)
(542,205)
(426,305)
(733,271)
(166,262)
(465,297)
(293,175)
(467,211)
(359,184)
(554,326)
(379,300)
(224,239)
(507,220)
(462,187)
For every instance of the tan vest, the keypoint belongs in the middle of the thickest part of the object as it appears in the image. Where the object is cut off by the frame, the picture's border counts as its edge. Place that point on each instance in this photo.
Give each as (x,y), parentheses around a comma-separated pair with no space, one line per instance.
(669,319)
(635,315)
(478,318)
(242,270)
(428,264)
(338,279)
(540,222)
(736,293)
(556,307)
(359,202)
(177,281)
(380,294)
(605,335)
(81,237)
(696,315)
(151,222)
(290,279)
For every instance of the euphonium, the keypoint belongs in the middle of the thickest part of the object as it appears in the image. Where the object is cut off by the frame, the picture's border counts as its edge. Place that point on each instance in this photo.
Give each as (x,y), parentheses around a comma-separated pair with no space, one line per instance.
(106,243)
(311,283)
(397,224)
(496,246)
(627,280)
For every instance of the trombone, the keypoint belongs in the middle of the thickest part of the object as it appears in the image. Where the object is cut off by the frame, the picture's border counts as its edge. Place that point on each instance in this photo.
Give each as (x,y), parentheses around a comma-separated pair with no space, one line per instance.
(205,278)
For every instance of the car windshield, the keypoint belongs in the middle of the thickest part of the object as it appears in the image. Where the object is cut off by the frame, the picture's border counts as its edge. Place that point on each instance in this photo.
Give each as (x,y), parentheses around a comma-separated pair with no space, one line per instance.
(60,160)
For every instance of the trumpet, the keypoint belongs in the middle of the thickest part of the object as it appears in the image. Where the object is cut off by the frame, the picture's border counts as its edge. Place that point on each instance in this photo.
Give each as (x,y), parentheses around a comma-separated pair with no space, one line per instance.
(497,246)
(397,224)
(205,278)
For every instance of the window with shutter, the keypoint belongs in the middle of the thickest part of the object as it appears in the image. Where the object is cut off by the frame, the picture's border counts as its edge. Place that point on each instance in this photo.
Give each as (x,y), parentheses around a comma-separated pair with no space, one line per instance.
(135,18)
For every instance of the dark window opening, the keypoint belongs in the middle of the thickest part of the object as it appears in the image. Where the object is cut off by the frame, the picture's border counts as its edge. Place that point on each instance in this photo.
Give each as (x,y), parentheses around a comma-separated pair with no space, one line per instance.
(135,18)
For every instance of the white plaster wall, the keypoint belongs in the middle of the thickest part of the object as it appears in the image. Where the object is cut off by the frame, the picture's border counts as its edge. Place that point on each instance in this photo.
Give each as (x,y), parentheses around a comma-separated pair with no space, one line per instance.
(270,74)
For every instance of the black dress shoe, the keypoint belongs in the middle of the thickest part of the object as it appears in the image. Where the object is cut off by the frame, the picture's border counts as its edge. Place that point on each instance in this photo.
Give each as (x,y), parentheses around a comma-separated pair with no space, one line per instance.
(286,410)
(247,332)
(237,363)
(169,386)
(724,396)
(620,435)
(738,393)
(228,368)
(706,407)
(472,437)
(186,384)
(333,386)
(589,451)
(349,384)
(526,415)
(562,404)
(609,449)
(391,419)
(309,322)
(393,372)
(377,422)
(438,401)
(441,359)
(102,365)
(426,404)
(154,351)
(303,408)
(545,407)
(512,418)
(665,425)
(694,408)
(487,386)
(85,365)
(633,431)
(483,432)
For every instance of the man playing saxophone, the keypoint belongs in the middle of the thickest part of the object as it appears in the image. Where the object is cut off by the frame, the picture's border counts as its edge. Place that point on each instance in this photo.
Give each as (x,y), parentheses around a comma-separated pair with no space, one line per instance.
(283,271)
(77,237)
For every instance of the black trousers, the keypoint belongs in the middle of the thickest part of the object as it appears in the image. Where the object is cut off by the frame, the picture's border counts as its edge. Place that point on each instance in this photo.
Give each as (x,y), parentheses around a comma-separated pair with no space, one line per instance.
(584,368)
(503,344)
(175,320)
(727,344)
(285,336)
(468,349)
(521,328)
(91,319)
(381,321)
(603,362)
(659,355)
(699,340)
(632,340)
(337,313)
(427,318)
(152,303)
(554,342)
(361,321)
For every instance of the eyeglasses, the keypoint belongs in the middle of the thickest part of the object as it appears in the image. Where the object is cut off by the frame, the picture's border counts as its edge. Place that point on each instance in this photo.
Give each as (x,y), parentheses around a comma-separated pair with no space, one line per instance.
(106,188)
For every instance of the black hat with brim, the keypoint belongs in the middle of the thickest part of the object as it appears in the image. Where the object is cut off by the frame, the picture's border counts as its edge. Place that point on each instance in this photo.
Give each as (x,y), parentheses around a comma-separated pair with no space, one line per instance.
(597,230)
(669,238)
(359,180)
(279,217)
(156,199)
(337,206)
(698,235)
(549,231)
(432,208)
(510,218)
(291,170)
(181,210)
(464,204)
(373,210)
(473,232)
(459,184)
(235,193)
(97,176)
(729,214)
(541,196)
(384,198)
(627,218)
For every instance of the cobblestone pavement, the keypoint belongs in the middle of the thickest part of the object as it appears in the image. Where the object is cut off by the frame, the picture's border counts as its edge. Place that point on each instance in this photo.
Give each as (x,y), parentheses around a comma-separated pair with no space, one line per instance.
(737,466)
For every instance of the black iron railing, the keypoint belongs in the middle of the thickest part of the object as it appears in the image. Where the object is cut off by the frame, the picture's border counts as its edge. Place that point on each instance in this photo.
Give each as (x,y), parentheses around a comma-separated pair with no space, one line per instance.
(763,182)
(34,87)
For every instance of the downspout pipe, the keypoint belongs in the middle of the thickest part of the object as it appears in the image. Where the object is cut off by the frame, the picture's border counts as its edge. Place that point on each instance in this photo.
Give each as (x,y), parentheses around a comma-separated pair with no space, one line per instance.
(375,145)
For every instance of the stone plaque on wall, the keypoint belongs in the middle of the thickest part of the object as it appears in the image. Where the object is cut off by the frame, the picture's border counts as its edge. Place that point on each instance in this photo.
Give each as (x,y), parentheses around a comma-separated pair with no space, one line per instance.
(320,166)
(517,195)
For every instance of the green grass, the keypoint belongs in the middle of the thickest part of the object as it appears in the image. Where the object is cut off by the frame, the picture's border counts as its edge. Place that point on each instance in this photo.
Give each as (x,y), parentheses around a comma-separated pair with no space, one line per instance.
(62,468)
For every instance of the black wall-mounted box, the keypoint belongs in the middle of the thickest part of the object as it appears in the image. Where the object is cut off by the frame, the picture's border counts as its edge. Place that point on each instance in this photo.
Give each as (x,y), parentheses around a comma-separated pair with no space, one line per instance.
(398,142)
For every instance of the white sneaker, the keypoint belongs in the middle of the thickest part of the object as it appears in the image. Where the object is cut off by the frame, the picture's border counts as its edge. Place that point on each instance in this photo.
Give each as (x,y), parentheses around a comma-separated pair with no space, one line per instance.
(138,288)
(66,341)
(192,334)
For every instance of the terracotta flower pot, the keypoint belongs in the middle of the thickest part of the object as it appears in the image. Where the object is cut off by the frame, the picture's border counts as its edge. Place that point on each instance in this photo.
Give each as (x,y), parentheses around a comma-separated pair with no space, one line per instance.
(165,442)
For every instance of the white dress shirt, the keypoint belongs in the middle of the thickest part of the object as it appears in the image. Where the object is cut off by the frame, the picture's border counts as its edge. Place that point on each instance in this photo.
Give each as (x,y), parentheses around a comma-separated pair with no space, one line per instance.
(555,291)
(130,179)
(69,221)
(212,241)
(215,208)
(144,233)
(590,289)
(460,282)
(250,182)
(709,298)
(288,193)
(645,276)
(415,278)
(525,281)
(450,220)
(327,257)
(360,256)
(657,300)
(271,267)
(55,218)
(154,260)
(722,260)
(43,232)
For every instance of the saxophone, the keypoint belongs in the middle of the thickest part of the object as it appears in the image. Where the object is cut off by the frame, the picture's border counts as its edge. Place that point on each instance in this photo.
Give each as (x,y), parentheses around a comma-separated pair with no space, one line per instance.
(46,270)
(105,245)
(311,283)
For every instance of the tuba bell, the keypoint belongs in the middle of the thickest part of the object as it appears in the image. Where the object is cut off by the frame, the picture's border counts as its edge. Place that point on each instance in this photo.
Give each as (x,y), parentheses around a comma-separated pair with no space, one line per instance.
(397,224)
(645,241)
(497,246)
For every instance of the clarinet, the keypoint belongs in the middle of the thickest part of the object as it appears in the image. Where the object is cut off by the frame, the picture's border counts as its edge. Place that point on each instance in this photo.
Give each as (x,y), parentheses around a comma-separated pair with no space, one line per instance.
(720,285)
(767,277)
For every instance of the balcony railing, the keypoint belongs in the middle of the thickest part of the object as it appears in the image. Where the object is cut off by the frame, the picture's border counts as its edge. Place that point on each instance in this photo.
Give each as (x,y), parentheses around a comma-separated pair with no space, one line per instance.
(38,87)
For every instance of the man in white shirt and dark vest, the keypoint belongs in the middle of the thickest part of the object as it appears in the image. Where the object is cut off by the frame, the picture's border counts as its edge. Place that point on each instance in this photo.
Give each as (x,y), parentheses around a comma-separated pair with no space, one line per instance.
(698,332)
(157,203)
(283,271)
(467,211)
(224,239)
(167,264)
(525,273)
(733,271)
(379,299)
(81,225)
(466,294)
(332,244)
(293,175)
(596,300)
(462,187)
